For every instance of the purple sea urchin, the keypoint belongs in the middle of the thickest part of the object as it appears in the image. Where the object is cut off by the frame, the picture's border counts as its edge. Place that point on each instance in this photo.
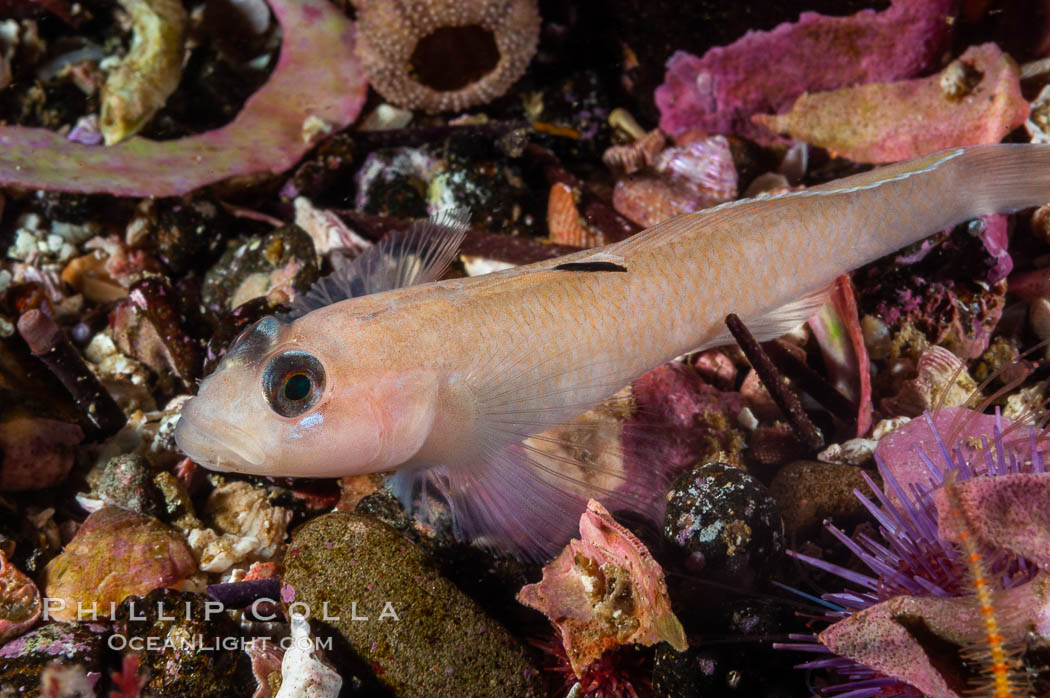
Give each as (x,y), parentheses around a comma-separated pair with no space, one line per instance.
(915,566)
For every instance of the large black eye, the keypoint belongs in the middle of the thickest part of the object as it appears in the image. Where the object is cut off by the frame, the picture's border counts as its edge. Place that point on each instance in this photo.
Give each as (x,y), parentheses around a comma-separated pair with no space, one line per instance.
(293,383)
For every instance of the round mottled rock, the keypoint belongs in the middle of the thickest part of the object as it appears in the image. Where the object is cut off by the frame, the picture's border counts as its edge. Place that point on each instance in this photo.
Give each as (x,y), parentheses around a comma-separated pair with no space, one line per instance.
(395,613)
(127,482)
(279,265)
(726,522)
(188,228)
(808,492)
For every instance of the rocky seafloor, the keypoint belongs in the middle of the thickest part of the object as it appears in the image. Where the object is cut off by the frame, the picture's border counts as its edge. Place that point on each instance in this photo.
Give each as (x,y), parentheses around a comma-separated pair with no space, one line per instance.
(858,508)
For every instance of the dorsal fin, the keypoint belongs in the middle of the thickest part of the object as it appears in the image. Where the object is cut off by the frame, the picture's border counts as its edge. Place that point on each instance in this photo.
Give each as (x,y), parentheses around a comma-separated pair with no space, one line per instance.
(417,255)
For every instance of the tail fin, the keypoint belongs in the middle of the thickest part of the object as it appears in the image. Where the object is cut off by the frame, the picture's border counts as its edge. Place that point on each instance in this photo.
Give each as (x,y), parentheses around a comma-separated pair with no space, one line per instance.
(1004,177)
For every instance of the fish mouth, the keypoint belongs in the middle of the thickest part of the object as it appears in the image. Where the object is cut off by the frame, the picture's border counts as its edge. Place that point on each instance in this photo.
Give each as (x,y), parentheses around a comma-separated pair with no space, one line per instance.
(218,446)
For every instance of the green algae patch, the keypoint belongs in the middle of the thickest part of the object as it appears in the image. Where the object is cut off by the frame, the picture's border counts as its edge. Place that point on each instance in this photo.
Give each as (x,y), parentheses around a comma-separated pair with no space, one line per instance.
(363,581)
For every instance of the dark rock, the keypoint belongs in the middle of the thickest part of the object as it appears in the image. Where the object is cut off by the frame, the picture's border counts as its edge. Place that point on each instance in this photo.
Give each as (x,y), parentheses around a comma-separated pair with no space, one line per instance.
(393,182)
(384,506)
(726,522)
(36,450)
(282,263)
(690,674)
(28,546)
(210,94)
(440,643)
(477,176)
(127,482)
(50,104)
(326,176)
(808,492)
(489,576)
(23,659)
(148,327)
(577,105)
(701,672)
(188,228)
(72,207)
(196,649)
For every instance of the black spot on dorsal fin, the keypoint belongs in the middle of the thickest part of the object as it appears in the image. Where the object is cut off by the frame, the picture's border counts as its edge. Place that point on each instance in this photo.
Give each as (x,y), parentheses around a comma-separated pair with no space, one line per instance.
(590,266)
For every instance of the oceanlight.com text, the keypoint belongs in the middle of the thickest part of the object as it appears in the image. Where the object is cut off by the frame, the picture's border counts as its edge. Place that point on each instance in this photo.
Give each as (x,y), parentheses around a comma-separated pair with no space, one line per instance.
(201,643)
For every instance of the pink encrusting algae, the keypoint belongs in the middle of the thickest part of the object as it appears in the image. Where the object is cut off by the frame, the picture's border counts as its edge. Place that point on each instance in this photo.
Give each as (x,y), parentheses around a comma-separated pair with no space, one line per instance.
(720,91)
(303,100)
(929,564)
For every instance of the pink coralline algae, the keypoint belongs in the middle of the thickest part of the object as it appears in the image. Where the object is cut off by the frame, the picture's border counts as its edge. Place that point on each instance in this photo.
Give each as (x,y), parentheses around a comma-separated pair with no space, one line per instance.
(900,450)
(976,99)
(879,636)
(719,92)
(604,591)
(115,554)
(948,289)
(695,420)
(1009,511)
(308,95)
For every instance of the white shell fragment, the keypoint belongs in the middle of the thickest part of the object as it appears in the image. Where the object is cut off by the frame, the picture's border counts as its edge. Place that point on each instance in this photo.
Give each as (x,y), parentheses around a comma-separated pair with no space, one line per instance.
(304,674)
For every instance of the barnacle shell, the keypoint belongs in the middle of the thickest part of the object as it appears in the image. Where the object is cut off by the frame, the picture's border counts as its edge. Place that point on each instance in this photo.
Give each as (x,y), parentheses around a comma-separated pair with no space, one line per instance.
(604,590)
(151,71)
(564,223)
(303,671)
(689,178)
(248,527)
(1038,122)
(943,381)
(631,157)
(411,51)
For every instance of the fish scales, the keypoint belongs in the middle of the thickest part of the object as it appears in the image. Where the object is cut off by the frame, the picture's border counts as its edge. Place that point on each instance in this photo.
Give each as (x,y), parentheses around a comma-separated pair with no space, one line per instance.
(451,374)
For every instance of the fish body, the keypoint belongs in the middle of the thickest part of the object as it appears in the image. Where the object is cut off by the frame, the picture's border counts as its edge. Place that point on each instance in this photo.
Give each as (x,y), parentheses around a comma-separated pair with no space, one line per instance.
(452,376)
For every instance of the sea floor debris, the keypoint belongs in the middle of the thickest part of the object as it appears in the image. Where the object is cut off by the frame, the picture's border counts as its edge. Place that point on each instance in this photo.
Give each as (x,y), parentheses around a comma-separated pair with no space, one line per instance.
(173,171)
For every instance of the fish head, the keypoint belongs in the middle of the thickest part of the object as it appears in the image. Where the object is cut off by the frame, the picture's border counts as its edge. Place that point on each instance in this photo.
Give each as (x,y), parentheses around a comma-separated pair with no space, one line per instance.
(283,406)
